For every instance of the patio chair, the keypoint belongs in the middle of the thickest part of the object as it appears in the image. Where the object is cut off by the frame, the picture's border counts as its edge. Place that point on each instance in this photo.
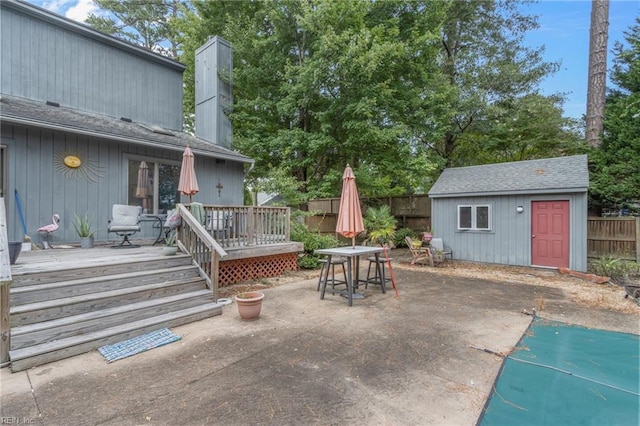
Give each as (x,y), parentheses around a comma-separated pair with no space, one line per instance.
(417,251)
(219,224)
(125,221)
(438,246)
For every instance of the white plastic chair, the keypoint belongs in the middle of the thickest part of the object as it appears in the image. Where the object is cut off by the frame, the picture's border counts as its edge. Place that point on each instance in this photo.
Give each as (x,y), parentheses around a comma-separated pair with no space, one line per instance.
(438,247)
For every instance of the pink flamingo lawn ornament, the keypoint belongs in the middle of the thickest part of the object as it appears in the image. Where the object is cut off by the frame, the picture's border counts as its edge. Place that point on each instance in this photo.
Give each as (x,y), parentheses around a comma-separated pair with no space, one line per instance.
(48,229)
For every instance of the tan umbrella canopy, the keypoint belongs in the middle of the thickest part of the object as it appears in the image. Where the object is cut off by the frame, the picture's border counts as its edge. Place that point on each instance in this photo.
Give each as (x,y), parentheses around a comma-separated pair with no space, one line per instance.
(143,186)
(188,184)
(350,215)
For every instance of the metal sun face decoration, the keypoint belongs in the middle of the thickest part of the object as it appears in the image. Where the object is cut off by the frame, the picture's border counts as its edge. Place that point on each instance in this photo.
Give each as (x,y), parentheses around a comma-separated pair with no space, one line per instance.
(72,167)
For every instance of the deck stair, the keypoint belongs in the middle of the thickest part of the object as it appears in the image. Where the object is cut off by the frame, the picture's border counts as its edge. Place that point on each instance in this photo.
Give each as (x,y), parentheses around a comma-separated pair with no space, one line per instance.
(61,313)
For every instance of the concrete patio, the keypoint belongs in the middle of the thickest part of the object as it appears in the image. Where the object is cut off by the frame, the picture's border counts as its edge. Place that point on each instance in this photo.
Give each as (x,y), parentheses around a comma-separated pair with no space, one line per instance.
(408,360)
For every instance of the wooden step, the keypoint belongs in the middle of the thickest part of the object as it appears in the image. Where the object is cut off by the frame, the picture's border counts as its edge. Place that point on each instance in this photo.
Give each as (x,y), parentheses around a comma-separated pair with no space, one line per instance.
(100,268)
(89,322)
(63,289)
(59,308)
(32,356)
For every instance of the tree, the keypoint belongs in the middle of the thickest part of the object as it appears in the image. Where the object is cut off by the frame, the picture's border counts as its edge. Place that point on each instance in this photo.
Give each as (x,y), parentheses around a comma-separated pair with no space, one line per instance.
(596,90)
(488,76)
(524,128)
(615,180)
(324,83)
(147,23)
(398,89)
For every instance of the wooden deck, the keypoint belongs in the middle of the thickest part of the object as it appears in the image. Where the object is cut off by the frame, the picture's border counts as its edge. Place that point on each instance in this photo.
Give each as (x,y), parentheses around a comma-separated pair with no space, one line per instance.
(67,300)
(59,258)
(56,259)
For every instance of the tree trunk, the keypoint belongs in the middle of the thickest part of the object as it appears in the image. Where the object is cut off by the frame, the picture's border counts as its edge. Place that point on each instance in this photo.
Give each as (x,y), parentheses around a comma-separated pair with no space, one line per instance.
(596,90)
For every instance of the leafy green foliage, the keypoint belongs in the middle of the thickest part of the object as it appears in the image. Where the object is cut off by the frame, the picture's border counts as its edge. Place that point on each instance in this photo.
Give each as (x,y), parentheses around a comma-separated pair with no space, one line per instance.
(82,225)
(398,89)
(399,237)
(614,176)
(312,241)
(170,239)
(151,23)
(380,224)
(614,267)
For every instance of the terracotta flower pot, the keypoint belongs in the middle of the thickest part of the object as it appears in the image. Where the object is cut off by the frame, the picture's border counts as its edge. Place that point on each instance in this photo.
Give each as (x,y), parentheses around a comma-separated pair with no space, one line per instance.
(249,305)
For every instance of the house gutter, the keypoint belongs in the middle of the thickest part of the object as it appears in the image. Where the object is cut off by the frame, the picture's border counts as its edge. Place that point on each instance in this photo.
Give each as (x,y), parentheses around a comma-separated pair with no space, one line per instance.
(153,144)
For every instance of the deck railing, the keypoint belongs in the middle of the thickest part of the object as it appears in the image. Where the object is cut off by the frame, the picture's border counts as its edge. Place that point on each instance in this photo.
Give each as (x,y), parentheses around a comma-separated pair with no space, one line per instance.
(237,226)
(205,251)
(219,227)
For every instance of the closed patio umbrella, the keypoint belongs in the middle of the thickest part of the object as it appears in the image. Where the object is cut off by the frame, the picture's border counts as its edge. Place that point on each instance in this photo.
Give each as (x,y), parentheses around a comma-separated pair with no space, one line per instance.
(350,221)
(188,184)
(143,186)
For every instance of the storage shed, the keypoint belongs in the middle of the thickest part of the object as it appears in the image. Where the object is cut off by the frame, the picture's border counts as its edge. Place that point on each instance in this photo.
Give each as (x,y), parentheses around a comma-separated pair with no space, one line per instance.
(524,213)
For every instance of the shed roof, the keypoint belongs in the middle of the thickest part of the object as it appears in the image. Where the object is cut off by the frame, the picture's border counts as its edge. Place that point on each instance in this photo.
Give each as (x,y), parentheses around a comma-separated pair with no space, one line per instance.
(26,112)
(544,176)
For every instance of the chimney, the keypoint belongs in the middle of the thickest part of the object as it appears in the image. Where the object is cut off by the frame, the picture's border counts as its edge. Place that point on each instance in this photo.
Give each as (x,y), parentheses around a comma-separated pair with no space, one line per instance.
(214,99)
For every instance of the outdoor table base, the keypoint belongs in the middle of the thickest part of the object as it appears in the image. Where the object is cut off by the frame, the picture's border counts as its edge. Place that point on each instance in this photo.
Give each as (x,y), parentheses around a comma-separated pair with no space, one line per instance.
(158,220)
(353,277)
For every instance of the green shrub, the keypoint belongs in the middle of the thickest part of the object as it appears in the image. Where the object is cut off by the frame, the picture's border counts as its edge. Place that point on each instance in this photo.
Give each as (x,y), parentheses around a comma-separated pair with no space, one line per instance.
(614,267)
(312,241)
(401,233)
(380,224)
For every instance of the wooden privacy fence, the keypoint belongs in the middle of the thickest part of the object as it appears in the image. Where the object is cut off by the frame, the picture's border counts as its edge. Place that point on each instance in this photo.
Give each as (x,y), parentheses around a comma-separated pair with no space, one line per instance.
(412,211)
(616,236)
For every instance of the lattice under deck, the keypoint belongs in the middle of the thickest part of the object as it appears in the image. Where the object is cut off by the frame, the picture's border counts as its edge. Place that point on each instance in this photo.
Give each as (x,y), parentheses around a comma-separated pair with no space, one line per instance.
(233,271)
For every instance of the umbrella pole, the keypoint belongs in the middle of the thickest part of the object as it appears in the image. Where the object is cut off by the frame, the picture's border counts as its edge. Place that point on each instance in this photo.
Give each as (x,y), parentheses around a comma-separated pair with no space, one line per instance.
(393,279)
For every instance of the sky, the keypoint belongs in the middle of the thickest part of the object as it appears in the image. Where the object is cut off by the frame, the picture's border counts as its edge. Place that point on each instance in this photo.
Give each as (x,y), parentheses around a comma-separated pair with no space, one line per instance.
(564,32)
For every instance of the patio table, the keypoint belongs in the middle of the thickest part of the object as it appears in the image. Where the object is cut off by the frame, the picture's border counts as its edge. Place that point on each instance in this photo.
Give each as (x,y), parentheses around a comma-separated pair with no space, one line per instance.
(352,253)
(158,221)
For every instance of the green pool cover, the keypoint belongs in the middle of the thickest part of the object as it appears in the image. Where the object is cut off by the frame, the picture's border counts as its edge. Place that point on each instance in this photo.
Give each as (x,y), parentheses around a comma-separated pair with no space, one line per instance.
(561,374)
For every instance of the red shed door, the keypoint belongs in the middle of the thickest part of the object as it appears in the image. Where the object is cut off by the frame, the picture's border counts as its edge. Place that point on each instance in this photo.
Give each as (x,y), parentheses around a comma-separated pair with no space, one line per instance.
(550,233)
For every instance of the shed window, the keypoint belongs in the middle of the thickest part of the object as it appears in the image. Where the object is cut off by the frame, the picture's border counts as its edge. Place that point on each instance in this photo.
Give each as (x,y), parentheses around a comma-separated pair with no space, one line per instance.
(474,217)
(153,185)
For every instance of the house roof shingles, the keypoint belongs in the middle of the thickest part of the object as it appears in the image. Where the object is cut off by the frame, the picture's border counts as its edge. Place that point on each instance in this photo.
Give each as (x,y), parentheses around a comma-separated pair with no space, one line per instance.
(549,175)
(26,112)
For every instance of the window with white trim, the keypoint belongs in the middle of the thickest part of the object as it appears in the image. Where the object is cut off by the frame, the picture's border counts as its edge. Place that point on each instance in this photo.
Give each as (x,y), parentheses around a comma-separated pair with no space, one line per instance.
(153,185)
(474,217)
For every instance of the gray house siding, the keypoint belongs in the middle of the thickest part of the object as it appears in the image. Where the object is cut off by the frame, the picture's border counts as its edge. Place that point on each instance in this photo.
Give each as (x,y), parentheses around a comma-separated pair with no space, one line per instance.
(96,79)
(47,62)
(509,240)
(43,191)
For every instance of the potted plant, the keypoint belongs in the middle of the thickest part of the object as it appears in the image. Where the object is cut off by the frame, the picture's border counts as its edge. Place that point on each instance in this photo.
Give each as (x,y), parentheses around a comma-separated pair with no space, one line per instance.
(82,225)
(170,248)
(249,304)
(380,225)
(438,256)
